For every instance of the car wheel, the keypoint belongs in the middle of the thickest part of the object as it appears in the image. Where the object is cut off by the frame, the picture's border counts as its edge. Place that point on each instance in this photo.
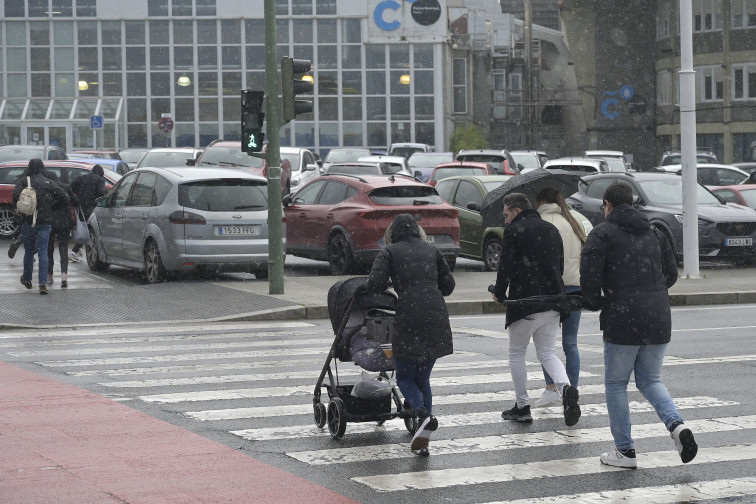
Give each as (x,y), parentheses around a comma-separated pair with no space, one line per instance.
(8,224)
(153,266)
(340,255)
(491,253)
(261,273)
(94,261)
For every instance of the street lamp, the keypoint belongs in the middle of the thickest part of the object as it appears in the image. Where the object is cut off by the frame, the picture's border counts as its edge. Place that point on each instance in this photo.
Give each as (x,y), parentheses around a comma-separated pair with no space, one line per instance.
(83,86)
(404,79)
(184,81)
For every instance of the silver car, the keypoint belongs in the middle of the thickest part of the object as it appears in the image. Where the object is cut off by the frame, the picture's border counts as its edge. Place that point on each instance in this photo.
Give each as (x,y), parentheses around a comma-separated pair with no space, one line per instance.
(159,220)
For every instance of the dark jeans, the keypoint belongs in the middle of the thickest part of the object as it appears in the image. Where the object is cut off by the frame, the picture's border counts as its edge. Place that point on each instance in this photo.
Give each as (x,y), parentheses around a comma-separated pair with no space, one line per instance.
(35,239)
(413,379)
(62,236)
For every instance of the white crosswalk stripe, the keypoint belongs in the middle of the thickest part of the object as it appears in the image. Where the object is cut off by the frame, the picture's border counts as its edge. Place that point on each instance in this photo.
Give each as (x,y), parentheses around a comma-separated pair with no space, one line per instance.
(78,279)
(255,381)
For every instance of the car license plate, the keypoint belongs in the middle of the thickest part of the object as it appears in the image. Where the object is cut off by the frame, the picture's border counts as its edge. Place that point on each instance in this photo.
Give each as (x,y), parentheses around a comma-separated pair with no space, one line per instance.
(236,230)
(738,242)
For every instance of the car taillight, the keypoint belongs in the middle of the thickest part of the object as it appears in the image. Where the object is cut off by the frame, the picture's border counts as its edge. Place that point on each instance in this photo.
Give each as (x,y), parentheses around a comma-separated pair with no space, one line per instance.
(184,217)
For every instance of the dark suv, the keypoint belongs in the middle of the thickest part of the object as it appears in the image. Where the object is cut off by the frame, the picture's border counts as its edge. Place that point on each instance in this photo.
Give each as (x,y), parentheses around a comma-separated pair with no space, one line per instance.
(228,154)
(28,152)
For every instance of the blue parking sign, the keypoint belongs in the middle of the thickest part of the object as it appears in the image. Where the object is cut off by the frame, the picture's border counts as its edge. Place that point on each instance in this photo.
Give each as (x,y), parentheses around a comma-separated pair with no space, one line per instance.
(95,122)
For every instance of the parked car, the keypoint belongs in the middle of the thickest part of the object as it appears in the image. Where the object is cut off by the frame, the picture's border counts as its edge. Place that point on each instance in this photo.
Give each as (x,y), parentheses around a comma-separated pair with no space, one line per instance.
(133,155)
(304,165)
(724,230)
(742,194)
(675,158)
(342,218)
(397,164)
(445,170)
(421,164)
(12,171)
(116,165)
(228,154)
(29,152)
(406,149)
(615,159)
(367,168)
(527,160)
(99,154)
(501,160)
(161,220)
(343,155)
(578,164)
(712,175)
(164,157)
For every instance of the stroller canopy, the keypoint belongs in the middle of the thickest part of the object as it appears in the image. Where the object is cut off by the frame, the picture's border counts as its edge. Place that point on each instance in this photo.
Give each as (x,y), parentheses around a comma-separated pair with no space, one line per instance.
(340,295)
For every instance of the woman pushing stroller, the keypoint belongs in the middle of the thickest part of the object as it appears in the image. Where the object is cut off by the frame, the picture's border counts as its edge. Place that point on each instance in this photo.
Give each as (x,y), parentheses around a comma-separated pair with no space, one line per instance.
(422,333)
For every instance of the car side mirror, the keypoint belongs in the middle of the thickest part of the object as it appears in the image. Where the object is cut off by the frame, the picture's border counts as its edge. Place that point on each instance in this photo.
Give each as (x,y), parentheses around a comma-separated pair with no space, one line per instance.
(310,167)
(473,206)
(418,174)
(191,162)
(286,200)
(102,201)
(637,201)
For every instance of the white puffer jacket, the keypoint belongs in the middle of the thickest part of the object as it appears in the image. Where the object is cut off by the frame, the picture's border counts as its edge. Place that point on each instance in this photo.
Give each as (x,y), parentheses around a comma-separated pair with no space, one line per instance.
(550,212)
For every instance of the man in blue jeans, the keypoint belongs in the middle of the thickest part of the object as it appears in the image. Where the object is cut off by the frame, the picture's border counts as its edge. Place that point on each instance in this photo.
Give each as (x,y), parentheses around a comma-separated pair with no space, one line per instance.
(35,229)
(634,265)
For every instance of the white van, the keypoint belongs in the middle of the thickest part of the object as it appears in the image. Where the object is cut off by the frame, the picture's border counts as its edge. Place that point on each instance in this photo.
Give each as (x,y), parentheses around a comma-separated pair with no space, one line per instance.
(407,149)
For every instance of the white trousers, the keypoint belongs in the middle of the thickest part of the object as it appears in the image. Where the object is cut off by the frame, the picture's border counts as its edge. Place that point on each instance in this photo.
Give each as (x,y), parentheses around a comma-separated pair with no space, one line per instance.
(543,327)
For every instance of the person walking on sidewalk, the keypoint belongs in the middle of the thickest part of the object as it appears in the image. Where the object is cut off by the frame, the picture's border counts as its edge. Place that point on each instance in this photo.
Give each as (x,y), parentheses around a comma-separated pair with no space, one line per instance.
(62,222)
(87,189)
(422,332)
(35,230)
(634,265)
(531,264)
(552,208)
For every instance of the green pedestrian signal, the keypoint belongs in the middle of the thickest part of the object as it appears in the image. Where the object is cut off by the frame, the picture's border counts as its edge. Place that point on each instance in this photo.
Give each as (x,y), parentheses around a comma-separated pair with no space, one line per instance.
(252,140)
(252,118)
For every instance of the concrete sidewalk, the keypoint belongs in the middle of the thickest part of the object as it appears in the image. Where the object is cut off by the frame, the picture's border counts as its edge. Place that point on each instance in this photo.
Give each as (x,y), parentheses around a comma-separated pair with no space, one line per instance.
(304,297)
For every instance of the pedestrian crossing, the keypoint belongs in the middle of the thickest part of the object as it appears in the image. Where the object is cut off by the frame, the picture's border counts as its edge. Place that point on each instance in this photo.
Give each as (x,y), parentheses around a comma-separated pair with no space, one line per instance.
(79,275)
(253,382)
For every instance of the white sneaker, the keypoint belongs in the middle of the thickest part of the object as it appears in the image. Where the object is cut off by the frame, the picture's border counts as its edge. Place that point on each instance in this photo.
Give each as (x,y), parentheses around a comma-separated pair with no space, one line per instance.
(548,398)
(422,436)
(617,459)
(74,257)
(684,442)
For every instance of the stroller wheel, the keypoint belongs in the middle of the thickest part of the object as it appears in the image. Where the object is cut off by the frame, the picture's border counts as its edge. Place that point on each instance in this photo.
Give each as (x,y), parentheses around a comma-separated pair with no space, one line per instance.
(410,421)
(319,412)
(336,418)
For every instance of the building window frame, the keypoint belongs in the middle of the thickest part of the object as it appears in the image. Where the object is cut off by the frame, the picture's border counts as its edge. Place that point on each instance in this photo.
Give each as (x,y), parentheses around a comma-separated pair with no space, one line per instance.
(459,85)
(744,82)
(709,83)
(707,16)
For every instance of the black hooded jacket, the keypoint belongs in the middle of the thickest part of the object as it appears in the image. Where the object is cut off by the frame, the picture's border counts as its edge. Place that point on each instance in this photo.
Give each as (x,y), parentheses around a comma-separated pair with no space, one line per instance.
(88,188)
(48,193)
(531,264)
(421,278)
(634,266)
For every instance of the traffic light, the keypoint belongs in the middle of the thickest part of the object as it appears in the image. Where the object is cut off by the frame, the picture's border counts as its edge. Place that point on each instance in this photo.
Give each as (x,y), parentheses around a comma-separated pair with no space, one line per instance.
(292,85)
(252,118)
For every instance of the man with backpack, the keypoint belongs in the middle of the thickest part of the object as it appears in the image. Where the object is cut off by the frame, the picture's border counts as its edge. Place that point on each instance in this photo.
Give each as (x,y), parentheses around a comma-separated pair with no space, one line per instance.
(34,196)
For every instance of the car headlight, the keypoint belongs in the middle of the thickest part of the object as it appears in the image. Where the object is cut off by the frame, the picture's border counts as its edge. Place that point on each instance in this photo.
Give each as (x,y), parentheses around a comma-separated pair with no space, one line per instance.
(701,222)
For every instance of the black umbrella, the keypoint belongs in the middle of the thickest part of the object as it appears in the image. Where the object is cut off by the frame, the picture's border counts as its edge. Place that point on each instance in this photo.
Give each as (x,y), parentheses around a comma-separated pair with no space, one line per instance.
(531,183)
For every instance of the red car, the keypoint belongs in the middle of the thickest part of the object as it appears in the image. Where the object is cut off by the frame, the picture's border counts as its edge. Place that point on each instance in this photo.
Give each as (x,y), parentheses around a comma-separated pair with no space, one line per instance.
(228,154)
(742,194)
(67,172)
(342,218)
(459,168)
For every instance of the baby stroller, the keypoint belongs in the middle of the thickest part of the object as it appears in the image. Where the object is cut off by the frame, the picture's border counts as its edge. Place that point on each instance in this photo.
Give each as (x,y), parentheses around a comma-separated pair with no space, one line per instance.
(362,324)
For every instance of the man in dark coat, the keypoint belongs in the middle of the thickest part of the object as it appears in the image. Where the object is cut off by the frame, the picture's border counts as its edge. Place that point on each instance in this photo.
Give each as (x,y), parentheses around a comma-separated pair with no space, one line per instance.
(35,236)
(634,265)
(531,264)
(422,333)
(87,189)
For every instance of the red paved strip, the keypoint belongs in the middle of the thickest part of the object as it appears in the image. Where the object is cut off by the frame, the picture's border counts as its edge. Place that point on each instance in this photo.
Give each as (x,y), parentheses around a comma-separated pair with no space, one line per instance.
(61,444)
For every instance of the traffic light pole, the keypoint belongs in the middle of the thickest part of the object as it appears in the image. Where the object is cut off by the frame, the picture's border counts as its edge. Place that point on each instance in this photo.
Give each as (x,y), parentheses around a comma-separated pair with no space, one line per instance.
(273,156)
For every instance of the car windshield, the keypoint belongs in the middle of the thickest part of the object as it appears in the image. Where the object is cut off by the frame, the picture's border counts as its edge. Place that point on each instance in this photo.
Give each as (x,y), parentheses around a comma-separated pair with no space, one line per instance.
(20,154)
(354,169)
(749,195)
(428,161)
(615,164)
(669,192)
(405,151)
(165,159)
(229,156)
(11,175)
(442,173)
(131,156)
(481,158)
(490,186)
(341,156)
(405,195)
(225,195)
(527,161)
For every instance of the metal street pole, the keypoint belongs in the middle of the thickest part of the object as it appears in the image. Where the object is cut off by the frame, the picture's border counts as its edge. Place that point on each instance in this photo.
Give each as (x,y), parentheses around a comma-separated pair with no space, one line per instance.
(688,142)
(273,156)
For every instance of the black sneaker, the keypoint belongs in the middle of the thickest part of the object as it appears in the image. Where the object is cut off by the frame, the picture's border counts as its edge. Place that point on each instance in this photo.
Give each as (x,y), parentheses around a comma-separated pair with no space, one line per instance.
(521,415)
(42,289)
(13,248)
(428,424)
(26,284)
(571,407)
(684,442)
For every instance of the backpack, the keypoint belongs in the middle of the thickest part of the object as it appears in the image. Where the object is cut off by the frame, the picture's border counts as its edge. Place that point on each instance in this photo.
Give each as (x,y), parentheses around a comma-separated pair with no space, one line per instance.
(27,202)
